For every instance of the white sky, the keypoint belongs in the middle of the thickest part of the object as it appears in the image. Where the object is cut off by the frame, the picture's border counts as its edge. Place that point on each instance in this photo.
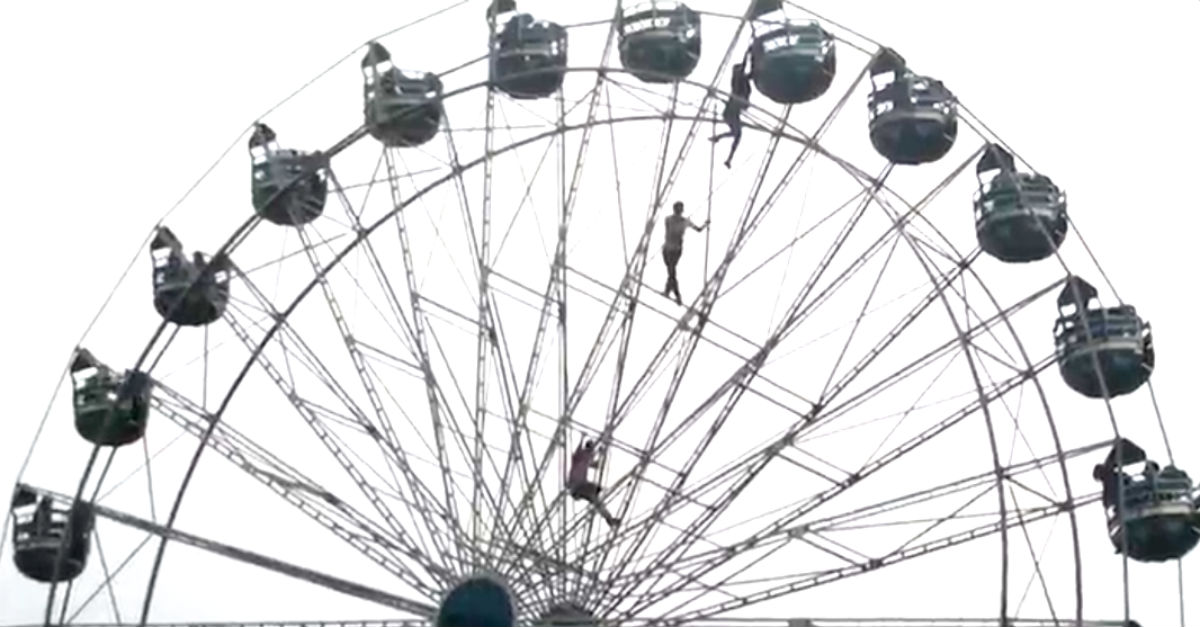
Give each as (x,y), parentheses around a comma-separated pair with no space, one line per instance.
(113,111)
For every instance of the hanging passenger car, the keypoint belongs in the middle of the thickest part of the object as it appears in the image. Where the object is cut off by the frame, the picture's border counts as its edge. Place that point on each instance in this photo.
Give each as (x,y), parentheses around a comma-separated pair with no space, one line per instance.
(402,109)
(528,56)
(1019,217)
(51,542)
(793,62)
(288,187)
(1150,516)
(187,292)
(110,409)
(914,119)
(659,41)
(1114,338)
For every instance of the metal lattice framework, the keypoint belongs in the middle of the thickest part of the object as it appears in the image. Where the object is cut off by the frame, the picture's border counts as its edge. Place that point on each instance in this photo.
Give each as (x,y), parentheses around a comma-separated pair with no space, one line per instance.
(406,375)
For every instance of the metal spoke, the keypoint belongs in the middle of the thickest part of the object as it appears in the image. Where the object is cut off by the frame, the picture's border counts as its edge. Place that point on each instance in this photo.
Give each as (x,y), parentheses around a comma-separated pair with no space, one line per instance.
(651,520)
(631,284)
(812,580)
(553,299)
(338,517)
(755,464)
(728,349)
(398,457)
(854,518)
(748,222)
(323,434)
(839,521)
(735,387)
(226,249)
(420,327)
(242,555)
(833,411)
(477,241)
(491,338)
(486,331)
(928,266)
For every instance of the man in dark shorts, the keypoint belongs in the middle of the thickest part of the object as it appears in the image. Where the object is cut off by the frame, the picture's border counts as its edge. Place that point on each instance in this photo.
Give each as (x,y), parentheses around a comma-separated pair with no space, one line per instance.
(675,226)
(578,485)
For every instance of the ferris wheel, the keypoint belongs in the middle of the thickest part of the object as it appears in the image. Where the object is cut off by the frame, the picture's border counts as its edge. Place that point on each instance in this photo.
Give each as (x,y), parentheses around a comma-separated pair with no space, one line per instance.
(885,383)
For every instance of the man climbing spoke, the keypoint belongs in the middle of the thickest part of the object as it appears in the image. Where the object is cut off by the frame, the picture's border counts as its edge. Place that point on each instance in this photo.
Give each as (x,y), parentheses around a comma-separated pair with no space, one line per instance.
(737,103)
(579,487)
(675,226)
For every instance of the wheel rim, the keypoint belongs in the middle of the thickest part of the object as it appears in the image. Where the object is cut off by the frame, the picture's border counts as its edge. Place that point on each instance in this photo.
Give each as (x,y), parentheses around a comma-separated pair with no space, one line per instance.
(552,473)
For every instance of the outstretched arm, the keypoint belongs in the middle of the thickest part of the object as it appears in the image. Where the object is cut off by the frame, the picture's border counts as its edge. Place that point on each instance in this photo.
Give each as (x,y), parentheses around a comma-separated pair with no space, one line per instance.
(700,227)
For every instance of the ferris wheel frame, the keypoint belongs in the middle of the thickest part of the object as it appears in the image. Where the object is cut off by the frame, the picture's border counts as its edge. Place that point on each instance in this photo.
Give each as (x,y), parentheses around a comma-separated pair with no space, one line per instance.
(783,131)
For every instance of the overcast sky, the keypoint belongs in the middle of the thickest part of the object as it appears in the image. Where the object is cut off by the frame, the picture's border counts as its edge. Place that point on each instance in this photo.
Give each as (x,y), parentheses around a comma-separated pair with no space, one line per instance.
(113,110)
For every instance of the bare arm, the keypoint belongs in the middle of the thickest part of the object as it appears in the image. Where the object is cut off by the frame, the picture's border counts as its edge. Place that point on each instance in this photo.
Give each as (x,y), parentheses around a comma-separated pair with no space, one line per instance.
(700,227)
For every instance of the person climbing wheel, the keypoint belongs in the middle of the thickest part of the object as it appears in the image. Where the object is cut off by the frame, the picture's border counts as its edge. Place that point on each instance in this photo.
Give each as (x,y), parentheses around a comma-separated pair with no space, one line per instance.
(578,485)
(738,101)
(676,226)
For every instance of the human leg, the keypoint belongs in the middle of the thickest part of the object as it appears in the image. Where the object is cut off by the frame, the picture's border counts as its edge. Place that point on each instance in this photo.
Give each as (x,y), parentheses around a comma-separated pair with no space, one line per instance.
(593,494)
(670,278)
(730,114)
(735,130)
(612,521)
(671,258)
(590,492)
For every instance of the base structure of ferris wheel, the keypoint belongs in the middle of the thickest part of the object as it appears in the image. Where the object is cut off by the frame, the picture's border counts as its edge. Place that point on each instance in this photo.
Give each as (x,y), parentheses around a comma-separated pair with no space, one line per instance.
(744,622)
(790,423)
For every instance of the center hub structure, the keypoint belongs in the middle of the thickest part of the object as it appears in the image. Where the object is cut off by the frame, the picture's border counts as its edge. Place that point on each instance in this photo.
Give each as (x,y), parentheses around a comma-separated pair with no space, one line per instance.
(478,601)
(567,615)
